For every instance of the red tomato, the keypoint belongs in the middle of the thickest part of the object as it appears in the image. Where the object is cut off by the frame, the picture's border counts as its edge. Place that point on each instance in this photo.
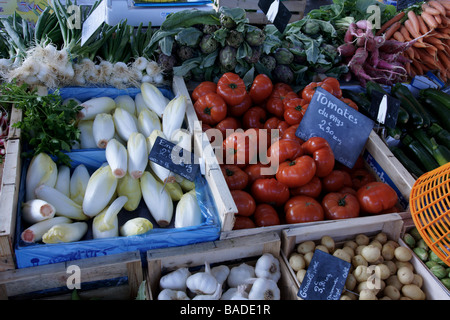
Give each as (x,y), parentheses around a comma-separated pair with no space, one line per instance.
(376,196)
(261,88)
(254,117)
(269,191)
(241,222)
(312,189)
(336,180)
(294,110)
(289,133)
(309,91)
(235,177)
(323,155)
(202,89)
(289,96)
(259,171)
(338,205)
(239,109)
(281,85)
(335,85)
(231,88)
(275,123)
(275,104)
(348,190)
(283,150)
(228,125)
(266,215)
(350,103)
(300,209)
(296,173)
(240,148)
(211,108)
(361,177)
(245,203)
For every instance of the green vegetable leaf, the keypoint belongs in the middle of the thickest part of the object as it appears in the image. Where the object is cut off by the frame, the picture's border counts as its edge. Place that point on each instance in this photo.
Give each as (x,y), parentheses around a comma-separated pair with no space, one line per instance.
(190,17)
(189,36)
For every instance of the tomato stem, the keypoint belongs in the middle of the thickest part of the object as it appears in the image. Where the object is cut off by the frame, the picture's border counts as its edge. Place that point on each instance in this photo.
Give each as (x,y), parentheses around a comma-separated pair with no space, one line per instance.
(342,201)
(229,172)
(233,85)
(292,163)
(207,110)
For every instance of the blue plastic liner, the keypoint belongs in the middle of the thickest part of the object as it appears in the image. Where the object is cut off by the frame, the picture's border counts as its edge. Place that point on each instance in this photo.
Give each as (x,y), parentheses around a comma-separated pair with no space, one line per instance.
(29,255)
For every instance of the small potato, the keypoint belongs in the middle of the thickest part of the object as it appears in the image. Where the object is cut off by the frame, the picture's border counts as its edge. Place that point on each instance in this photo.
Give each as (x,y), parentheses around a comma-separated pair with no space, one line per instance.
(349,250)
(305,247)
(393,281)
(392,292)
(393,243)
(367,294)
(359,249)
(388,251)
(413,292)
(404,298)
(323,248)
(296,261)
(385,298)
(382,271)
(341,254)
(362,240)
(328,242)
(381,237)
(408,264)
(379,260)
(405,275)
(308,256)
(345,297)
(418,280)
(359,260)
(391,265)
(352,244)
(300,275)
(371,253)
(350,283)
(361,273)
(402,254)
(376,243)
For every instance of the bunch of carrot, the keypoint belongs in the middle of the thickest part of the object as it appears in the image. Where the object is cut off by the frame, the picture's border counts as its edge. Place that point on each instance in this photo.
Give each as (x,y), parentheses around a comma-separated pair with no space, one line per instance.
(428,30)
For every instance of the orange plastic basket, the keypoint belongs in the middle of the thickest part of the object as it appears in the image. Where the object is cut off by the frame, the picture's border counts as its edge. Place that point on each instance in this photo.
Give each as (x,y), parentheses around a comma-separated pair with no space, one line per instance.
(430,209)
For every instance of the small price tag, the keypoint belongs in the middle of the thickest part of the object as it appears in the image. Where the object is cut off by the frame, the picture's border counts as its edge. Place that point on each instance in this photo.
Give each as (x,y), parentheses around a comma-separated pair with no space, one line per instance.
(276,13)
(325,277)
(393,105)
(174,158)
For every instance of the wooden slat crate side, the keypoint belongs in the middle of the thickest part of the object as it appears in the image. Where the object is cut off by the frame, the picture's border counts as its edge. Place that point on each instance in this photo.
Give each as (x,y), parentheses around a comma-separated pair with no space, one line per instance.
(13,163)
(16,116)
(27,280)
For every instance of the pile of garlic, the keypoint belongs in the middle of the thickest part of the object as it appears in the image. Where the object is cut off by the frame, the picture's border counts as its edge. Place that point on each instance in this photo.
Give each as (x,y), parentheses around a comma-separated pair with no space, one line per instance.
(241,282)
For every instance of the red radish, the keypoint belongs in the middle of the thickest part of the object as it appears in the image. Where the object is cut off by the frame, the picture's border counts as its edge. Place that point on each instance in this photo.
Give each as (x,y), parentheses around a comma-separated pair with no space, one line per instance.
(346,50)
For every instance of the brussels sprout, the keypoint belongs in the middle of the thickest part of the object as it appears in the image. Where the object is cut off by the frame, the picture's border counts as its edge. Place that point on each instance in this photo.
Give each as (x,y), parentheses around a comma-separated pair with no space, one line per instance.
(282,73)
(210,28)
(415,233)
(409,240)
(446,282)
(283,56)
(227,58)
(256,53)
(422,244)
(311,28)
(430,264)
(208,44)
(421,253)
(227,21)
(434,257)
(167,62)
(268,62)
(186,53)
(255,37)
(235,38)
(438,271)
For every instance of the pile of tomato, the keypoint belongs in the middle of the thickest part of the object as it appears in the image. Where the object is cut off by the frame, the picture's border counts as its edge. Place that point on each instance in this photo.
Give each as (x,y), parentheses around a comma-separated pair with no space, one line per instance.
(307,184)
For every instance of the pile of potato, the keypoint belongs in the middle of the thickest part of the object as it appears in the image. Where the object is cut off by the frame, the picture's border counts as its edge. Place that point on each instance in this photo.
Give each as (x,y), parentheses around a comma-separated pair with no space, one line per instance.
(381,268)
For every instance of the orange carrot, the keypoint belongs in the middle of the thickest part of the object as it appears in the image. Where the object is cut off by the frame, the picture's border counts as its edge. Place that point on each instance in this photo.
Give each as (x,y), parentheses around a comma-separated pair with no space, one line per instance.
(445,4)
(444,59)
(413,71)
(423,27)
(431,10)
(405,33)
(389,23)
(418,66)
(429,20)
(435,42)
(437,6)
(438,19)
(418,44)
(410,53)
(412,31)
(394,28)
(415,22)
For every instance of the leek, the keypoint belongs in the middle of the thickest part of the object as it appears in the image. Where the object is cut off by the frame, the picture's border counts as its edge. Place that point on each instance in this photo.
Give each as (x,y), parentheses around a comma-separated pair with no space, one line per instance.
(126,102)
(103,129)
(42,170)
(35,232)
(117,158)
(78,183)
(106,224)
(174,115)
(148,121)
(63,180)
(36,210)
(65,232)
(135,226)
(95,106)
(153,98)
(157,199)
(131,188)
(188,212)
(99,191)
(137,154)
(124,123)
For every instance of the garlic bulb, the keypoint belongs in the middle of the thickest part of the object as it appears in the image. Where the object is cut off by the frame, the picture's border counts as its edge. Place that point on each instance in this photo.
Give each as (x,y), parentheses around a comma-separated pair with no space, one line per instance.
(264,289)
(221,273)
(240,274)
(240,293)
(202,282)
(169,294)
(268,267)
(215,296)
(175,280)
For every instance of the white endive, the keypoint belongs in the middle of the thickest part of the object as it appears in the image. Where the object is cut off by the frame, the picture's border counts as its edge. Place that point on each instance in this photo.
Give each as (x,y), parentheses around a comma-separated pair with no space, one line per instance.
(135,226)
(63,180)
(140,104)
(65,232)
(78,183)
(99,191)
(117,158)
(131,188)
(157,199)
(42,170)
(124,123)
(106,224)
(137,154)
(173,116)
(87,140)
(64,206)
(35,232)
(153,98)
(126,102)
(103,129)
(36,210)
(95,106)
(183,138)
(148,121)
(188,212)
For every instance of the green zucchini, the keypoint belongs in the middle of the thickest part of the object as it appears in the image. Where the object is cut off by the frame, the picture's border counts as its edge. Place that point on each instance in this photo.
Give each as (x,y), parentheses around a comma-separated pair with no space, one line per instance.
(420,153)
(440,153)
(437,95)
(395,133)
(403,116)
(410,165)
(373,86)
(441,112)
(415,118)
(423,138)
(401,90)
(359,98)
(441,135)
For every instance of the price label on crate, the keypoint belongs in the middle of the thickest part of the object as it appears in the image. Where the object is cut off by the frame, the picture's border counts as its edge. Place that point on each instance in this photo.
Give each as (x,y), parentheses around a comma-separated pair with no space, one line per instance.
(345,128)
(391,112)
(174,158)
(276,12)
(325,277)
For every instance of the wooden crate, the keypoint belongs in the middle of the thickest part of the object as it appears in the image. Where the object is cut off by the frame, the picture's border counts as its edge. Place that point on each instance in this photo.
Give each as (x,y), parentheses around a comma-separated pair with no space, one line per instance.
(16,116)
(8,203)
(256,16)
(230,252)
(342,231)
(113,277)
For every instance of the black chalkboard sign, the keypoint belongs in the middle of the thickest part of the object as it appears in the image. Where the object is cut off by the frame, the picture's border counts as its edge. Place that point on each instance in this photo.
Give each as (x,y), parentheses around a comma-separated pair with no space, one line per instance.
(393,106)
(325,277)
(403,4)
(283,15)
(173,157)
(345,128)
